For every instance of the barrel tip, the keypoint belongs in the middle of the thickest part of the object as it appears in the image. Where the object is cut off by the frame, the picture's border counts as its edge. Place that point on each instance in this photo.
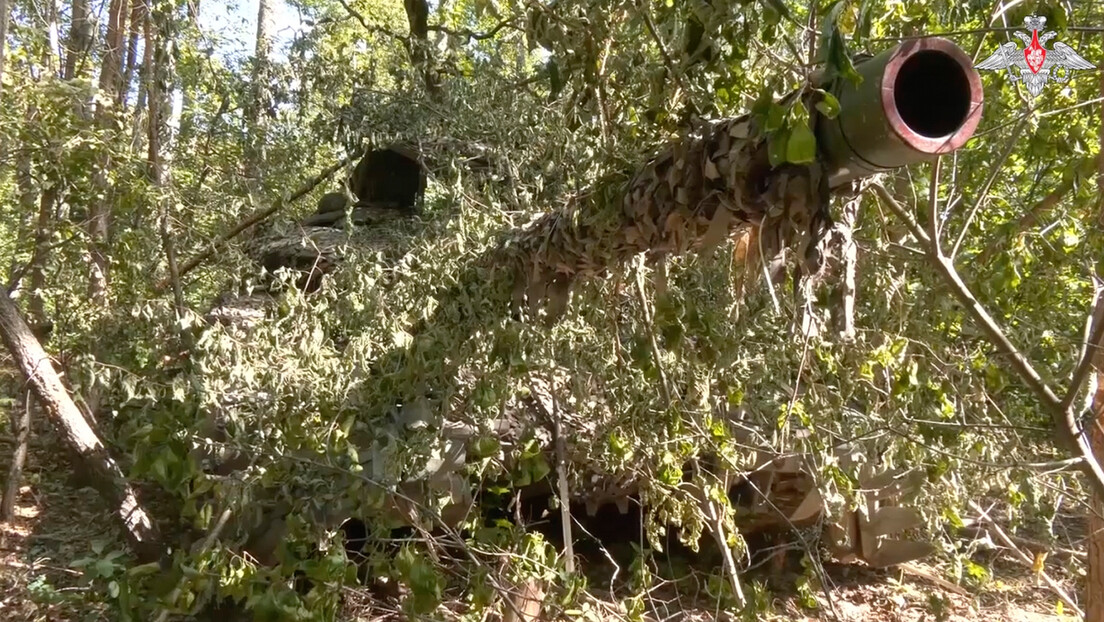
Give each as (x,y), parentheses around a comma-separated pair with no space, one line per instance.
(932,95)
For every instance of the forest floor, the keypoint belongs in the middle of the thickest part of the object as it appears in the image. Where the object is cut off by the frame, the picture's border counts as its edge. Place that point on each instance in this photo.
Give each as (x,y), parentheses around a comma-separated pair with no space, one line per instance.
(57,524)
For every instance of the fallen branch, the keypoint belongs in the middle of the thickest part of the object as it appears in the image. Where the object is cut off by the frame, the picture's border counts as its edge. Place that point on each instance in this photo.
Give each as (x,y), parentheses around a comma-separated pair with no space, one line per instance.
(93,458)
(1027,559)
(1035,546)
(253,219)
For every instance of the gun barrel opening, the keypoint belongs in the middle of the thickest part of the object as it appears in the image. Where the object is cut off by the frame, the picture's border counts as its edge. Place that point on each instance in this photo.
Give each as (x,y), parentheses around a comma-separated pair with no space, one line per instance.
(932,93)
(916,100)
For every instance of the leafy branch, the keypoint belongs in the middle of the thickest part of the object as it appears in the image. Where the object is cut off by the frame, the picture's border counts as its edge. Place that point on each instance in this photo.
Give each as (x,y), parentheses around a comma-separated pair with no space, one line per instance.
(1066,426)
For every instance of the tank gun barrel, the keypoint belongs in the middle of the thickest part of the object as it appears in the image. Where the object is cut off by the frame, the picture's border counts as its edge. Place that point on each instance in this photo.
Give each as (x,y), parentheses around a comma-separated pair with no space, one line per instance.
(917,100)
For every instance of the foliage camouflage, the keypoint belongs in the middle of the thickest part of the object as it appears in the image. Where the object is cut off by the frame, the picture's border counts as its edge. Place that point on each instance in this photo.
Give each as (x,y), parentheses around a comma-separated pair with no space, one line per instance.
(694,367)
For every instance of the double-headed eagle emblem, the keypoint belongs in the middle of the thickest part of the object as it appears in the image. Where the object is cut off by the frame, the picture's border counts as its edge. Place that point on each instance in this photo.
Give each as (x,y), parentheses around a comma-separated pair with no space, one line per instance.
(1034,63)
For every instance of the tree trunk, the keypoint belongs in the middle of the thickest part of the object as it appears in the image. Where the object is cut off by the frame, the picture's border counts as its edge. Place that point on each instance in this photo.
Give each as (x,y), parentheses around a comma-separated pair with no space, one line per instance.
(79,41)
(137,17)
(52,36)
(21,430)
(417,15)
(1094,611)
(188,89)
(93,459)
(5,10)
(144,77)
(99,216)
(160,96)
(258,104)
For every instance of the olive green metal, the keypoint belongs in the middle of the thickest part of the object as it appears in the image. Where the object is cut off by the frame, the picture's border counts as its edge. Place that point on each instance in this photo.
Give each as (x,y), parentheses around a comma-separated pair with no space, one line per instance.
(916,100)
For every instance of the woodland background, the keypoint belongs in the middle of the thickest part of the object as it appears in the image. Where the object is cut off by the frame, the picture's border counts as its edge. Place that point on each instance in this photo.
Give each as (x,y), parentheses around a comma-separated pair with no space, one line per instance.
(133,139)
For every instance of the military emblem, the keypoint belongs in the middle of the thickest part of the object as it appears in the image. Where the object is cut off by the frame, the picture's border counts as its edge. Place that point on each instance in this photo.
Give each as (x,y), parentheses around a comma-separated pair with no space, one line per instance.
(1034,64)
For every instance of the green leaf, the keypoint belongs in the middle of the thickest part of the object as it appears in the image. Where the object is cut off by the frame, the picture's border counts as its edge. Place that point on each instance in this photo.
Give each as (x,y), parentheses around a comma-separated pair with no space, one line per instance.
(828,105)
(762,106)
(776,147)
(801,146)
(776,115)
(839,59)
(103,568)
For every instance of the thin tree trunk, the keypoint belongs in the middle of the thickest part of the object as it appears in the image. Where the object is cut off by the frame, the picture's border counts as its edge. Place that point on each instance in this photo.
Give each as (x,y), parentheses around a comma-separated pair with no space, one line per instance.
(258,105)
(21,430)
(5,10)
(92,456)
(137,17)
(143,80)
(417,15)
(188,90)
(1094,611)
(99,217)
(1094,588)
(53,37)
(162,28)
(79,41)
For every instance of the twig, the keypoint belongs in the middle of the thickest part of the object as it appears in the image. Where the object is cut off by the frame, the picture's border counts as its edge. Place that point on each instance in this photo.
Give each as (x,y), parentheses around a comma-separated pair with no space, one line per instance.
(715,517)
(255,218)
(646,11)
(933,204)
(1065,419)
(1095,332)
(370,27)
(21,427)
(471,34)
(818,567)
(1034,546)
(1027,559)
(997,166)
(650,328)
(924,573)
(561,473)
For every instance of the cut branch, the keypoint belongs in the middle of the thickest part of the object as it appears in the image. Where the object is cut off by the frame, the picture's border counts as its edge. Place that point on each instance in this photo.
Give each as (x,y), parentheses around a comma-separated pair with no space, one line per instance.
(253,219)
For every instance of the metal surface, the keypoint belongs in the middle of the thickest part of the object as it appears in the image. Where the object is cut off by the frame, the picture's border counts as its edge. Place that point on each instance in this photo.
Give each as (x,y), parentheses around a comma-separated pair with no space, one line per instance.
(917,100)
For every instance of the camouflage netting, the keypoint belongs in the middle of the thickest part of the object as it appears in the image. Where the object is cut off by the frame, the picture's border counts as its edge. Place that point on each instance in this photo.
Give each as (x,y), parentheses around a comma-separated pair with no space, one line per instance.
(429,414)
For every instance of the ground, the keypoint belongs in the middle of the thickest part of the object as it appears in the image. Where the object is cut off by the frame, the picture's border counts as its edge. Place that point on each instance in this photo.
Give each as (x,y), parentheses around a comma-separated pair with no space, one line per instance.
(57,524)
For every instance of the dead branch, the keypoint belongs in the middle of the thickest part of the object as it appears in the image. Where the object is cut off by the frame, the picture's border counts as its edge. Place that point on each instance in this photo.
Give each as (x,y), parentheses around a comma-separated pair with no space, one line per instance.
(1027,559)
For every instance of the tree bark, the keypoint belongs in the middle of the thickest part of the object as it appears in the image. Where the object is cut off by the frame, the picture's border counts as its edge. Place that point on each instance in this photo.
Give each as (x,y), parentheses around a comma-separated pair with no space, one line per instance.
(79,41)
(189,89)
(137,16)
(1094,588)
(92,456)
(144,77)
(52,36)
(1094,611)
(99,216)
(417,15)
(5,11)
(21,430)
(258,105)
(161,19)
